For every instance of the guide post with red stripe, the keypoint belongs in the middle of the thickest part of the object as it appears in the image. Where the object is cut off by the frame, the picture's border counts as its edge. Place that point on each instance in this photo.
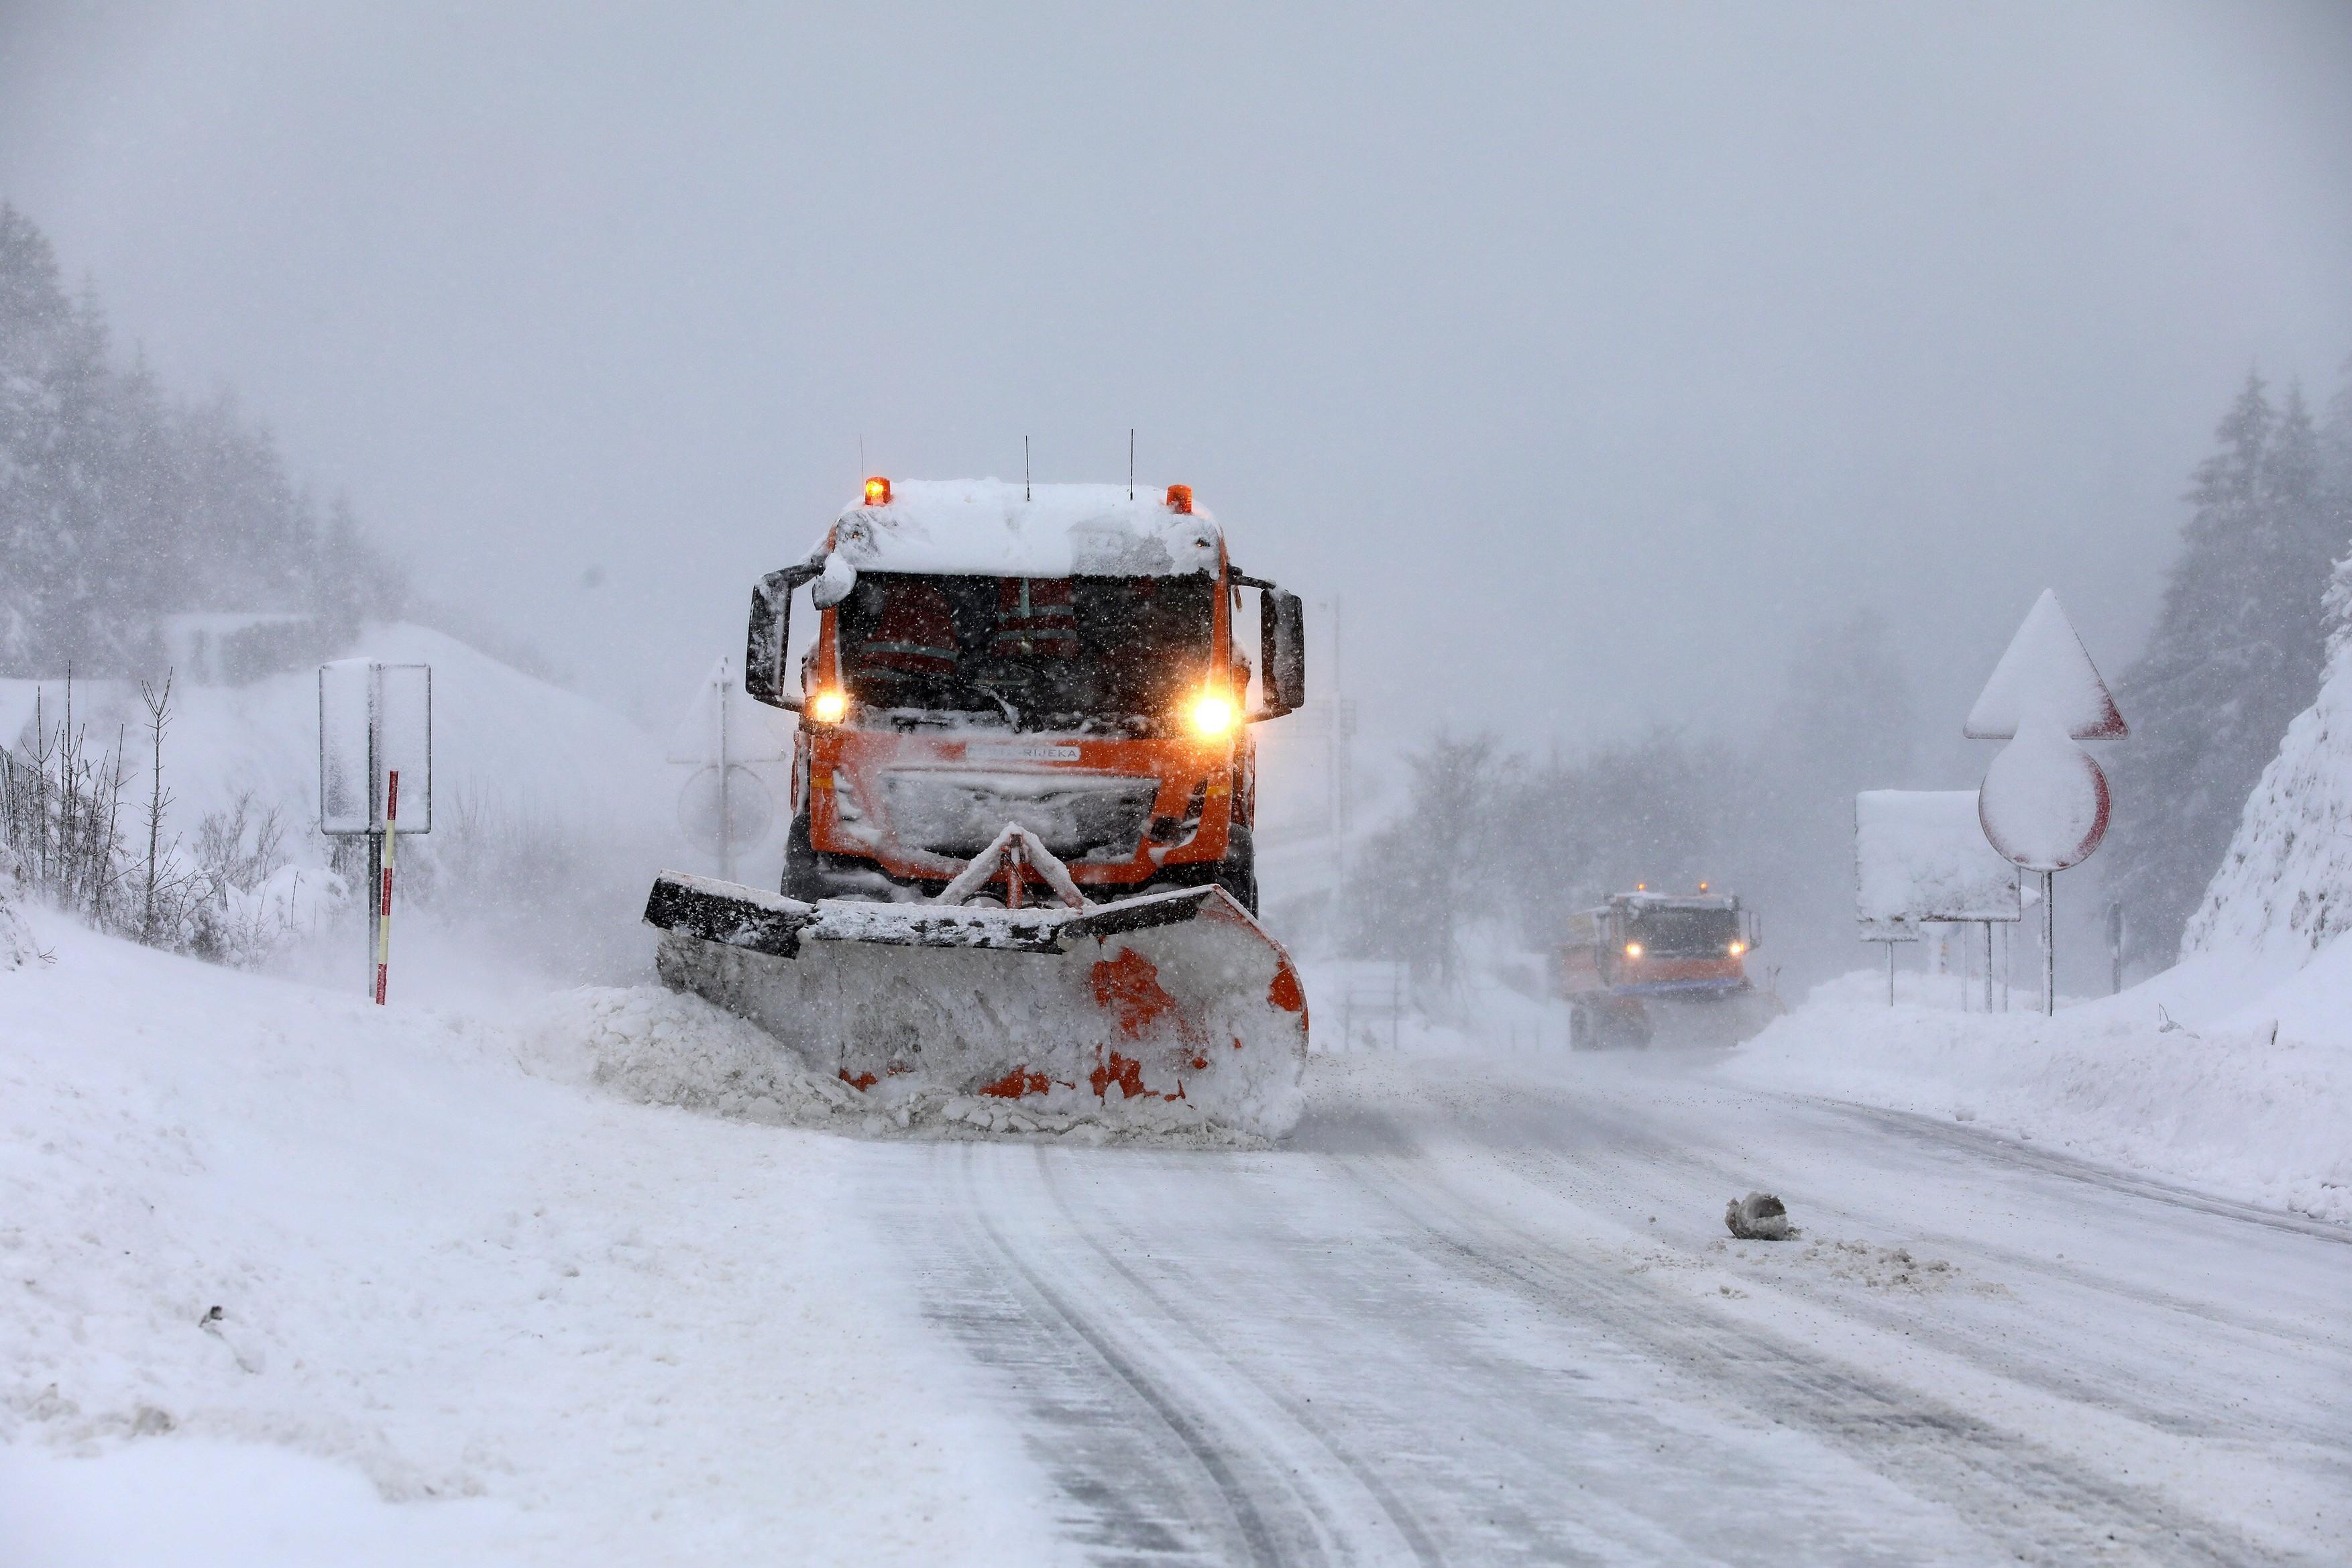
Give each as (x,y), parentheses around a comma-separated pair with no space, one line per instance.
(384,890)
(375,734)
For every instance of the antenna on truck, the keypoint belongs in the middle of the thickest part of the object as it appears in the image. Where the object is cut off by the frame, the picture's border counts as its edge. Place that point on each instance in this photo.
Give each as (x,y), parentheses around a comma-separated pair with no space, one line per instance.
(1130,462)
(1024,467)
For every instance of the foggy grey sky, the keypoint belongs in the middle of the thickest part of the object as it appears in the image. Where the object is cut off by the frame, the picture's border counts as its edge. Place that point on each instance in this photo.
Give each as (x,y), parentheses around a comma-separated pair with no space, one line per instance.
(1588,353)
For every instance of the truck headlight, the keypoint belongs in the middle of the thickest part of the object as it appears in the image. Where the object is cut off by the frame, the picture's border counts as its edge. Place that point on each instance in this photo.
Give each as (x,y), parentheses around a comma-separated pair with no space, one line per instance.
(1213,715)
(1633,950)
(828,707)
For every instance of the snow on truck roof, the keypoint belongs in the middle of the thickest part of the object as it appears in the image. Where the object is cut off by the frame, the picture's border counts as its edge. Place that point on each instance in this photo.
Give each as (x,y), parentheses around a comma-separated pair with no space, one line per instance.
(987,528)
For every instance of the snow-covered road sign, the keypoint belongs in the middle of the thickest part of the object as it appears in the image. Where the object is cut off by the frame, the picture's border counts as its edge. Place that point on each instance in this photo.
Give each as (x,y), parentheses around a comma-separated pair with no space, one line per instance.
(725,807)
(2045,803)
(1921,854)
(2044,671)
(372,719)
(720,816)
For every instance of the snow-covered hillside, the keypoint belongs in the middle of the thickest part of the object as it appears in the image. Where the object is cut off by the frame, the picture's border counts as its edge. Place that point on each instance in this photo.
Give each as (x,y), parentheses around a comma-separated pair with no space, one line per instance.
(502,739)
(2284,890)
(552,811)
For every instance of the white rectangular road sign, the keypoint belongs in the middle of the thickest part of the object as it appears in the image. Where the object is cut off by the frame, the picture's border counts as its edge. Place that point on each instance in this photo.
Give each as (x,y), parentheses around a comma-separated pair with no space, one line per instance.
(1921,854)
(372,719)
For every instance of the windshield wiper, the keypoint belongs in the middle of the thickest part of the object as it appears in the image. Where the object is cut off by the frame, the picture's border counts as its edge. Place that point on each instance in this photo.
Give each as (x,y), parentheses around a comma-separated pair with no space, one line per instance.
(1012,714)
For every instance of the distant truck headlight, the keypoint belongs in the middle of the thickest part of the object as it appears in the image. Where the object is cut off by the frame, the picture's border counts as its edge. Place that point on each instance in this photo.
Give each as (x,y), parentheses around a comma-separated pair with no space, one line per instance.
(1633,950)
(1737,948)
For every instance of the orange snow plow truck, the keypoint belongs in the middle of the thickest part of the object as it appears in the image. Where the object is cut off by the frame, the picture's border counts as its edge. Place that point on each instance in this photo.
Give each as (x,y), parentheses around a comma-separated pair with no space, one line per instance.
(1019,869)
(1660,968)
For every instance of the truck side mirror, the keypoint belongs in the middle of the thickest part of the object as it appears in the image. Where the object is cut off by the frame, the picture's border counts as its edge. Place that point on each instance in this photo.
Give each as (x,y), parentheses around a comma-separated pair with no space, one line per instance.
(1282,649)
(769,634)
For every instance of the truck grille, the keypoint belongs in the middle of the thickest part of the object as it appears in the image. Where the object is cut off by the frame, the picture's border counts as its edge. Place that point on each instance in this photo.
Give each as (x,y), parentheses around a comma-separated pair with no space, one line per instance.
(1080,816)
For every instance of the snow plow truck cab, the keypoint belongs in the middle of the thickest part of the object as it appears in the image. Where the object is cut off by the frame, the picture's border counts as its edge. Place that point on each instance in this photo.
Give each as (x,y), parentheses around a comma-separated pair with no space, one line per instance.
(1645,966)
(1019,863)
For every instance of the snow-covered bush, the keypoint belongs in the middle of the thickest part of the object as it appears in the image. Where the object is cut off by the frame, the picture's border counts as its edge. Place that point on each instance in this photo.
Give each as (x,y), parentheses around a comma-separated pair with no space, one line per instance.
(77,839)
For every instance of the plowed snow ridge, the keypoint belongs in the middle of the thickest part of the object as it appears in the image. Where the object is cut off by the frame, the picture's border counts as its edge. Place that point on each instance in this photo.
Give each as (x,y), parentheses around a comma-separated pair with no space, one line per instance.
(658,1047)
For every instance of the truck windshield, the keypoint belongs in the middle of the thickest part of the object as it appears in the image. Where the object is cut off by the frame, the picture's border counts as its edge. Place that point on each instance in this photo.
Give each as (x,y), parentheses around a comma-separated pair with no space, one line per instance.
(1028,650)
(1683,933)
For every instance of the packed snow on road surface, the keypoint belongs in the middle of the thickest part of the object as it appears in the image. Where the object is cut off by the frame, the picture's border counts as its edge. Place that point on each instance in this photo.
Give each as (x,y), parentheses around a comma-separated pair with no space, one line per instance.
(2182,1078)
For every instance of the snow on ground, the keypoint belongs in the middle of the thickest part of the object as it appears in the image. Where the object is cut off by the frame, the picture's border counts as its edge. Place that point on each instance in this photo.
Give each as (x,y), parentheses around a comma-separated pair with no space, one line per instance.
(2232,1071)
(551,811)
(450,1271)
(660,1047)
(2211,1099)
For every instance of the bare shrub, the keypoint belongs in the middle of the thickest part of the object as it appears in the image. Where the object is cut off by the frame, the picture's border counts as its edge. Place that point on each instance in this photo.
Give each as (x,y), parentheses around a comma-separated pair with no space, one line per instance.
(61,821)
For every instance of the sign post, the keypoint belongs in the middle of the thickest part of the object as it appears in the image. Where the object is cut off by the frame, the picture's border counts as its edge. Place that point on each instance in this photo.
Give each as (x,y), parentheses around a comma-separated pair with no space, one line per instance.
(1888,936)
(383,890)
(2045,803)
(375,734)
(2114,949)
(726,808)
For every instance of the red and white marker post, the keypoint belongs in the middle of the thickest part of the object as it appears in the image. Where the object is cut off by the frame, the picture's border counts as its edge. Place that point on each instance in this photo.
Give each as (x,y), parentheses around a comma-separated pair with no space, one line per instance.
(383,888)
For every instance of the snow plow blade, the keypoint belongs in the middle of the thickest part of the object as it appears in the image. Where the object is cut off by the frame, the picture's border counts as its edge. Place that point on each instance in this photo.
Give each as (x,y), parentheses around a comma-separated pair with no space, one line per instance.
(1175,1005)
(1710,1021)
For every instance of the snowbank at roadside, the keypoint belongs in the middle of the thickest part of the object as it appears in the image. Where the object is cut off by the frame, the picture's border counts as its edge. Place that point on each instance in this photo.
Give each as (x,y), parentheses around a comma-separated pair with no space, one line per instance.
(2284,892)
(551,812)
(258,1235)
(2241,1091)
(2232,1071)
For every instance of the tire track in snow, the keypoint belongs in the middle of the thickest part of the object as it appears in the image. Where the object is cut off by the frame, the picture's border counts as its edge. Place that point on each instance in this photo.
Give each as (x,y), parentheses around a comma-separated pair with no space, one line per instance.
(1115,1440)
(2018,1151)
(1580,1151)
(1401,1520)
(2035,1503)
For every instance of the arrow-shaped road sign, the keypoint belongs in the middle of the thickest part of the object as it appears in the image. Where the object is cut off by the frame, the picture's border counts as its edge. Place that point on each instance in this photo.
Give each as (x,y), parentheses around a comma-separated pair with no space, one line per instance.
(2045,672)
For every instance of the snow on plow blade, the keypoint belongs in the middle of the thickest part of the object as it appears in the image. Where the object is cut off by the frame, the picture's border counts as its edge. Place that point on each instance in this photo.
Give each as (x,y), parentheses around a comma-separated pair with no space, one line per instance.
(1174,1006)
(1711,1021)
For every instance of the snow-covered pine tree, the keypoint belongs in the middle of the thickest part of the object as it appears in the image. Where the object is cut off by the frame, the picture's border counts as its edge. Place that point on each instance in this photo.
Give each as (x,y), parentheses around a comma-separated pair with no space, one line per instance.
(2336,499)
(2235,656)
(36,323)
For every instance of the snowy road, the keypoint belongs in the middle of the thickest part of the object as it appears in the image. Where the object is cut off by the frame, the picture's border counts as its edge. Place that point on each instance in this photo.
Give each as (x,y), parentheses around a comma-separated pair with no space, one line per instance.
(480,1308)
(1492,1317)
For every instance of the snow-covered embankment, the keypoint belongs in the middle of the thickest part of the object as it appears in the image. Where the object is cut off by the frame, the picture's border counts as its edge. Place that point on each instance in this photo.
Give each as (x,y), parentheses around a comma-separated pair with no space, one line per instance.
(450,1270)
(2232,1071)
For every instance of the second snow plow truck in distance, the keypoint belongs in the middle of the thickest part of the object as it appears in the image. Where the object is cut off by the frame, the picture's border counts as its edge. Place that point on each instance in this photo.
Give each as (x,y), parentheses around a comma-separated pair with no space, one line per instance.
(1019,866)
(1661,968)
